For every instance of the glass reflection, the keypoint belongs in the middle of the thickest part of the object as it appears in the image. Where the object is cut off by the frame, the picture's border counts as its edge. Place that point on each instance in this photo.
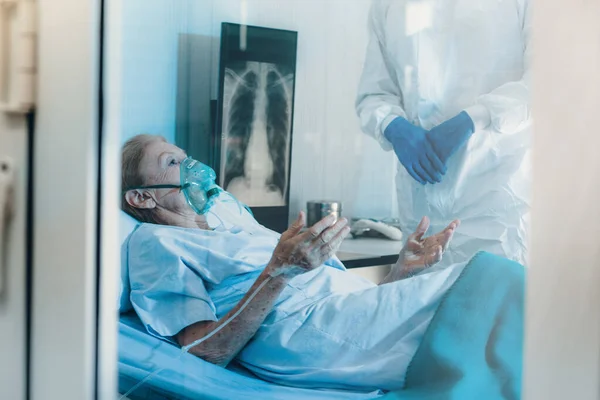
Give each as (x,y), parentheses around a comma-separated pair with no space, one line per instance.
(239,297)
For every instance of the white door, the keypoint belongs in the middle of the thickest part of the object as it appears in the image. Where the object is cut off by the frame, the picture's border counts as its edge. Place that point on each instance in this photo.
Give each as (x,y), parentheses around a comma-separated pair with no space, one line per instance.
(13,255)
(49,257)
(66,188)
(16,124)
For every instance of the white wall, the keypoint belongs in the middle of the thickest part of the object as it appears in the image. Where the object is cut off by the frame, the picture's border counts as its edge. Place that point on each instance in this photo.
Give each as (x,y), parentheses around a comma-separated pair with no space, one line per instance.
(331,158)
(562,346)
(148,61)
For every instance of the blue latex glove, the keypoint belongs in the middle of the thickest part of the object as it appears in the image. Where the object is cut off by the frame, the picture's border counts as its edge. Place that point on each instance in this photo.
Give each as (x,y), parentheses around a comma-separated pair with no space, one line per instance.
(451,135)
(414,151)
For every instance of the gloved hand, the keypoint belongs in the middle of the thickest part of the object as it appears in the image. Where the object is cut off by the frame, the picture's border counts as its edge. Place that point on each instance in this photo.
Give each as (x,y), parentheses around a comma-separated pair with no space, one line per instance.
(414,151)
(451,135)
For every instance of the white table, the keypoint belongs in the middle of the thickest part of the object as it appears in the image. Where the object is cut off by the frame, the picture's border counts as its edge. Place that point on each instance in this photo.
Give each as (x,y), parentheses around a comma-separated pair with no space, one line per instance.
(368,252)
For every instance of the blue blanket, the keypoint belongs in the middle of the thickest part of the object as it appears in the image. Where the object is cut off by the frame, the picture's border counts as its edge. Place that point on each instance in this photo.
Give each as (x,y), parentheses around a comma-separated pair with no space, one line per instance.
(473,347)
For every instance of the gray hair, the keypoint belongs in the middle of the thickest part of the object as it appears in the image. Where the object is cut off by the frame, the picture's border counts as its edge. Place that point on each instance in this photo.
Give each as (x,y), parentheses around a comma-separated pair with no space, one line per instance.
(131,157)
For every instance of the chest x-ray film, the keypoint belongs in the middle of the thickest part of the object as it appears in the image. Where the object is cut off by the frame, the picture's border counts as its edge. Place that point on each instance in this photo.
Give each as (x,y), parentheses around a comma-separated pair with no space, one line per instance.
(258,72)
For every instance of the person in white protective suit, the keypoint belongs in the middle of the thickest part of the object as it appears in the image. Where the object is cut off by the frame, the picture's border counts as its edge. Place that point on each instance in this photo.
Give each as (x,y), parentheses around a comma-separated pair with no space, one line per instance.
(446,86)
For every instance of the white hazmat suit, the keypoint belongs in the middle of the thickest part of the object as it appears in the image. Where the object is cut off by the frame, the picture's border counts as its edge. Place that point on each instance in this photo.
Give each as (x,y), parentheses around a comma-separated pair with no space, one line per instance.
(428,60)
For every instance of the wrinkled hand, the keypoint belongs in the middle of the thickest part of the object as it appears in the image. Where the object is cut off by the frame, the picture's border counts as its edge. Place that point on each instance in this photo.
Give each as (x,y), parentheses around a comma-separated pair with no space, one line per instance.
(298,253)
(451,135)
(419,254)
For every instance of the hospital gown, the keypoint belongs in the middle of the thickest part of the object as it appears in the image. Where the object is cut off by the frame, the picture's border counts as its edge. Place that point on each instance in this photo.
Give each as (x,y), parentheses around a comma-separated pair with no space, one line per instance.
(329,328)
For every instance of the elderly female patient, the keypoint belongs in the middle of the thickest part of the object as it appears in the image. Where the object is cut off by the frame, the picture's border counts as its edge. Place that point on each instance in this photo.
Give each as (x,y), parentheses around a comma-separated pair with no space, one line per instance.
(312,325)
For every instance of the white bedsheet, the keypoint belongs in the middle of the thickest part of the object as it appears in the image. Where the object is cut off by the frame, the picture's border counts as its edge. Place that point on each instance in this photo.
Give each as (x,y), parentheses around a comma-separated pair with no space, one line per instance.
(190,377)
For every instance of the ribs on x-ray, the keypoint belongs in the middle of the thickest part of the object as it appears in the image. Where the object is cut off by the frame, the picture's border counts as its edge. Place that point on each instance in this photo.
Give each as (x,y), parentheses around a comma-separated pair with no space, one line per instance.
(278,128)
(259,104)
(239,124)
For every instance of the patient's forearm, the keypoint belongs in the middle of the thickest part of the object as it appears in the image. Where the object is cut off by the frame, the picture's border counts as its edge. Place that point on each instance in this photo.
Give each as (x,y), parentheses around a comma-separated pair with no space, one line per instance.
(221,348)
(398,272)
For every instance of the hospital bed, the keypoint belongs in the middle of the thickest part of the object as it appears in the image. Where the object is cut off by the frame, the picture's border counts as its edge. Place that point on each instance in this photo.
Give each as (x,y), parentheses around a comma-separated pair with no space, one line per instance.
(189,377)
(185,376)
(480,358)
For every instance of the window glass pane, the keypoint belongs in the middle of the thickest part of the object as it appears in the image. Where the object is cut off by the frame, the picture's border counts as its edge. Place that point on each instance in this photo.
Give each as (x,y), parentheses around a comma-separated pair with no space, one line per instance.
(389,141)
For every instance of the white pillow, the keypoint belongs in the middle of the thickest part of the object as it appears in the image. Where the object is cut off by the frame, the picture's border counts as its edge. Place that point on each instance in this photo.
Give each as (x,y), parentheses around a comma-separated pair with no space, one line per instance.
(127,225)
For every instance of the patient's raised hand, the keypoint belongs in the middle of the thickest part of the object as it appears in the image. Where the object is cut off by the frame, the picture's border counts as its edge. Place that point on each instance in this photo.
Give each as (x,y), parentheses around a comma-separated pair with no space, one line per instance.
(420,253)
(297,252)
